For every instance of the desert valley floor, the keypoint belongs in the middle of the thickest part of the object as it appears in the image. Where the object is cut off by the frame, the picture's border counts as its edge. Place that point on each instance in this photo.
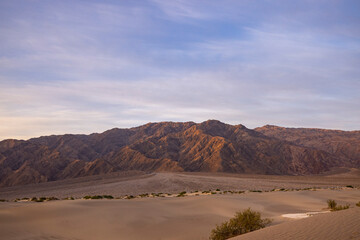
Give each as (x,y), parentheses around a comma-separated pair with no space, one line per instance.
(189,217)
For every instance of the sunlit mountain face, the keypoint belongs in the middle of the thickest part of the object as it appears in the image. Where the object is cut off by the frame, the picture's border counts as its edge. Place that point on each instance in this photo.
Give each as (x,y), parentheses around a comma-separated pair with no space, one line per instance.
(210,146)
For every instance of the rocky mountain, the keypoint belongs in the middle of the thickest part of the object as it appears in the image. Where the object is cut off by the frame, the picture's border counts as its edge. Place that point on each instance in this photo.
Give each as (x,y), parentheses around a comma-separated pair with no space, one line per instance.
(211,146)
(344,145)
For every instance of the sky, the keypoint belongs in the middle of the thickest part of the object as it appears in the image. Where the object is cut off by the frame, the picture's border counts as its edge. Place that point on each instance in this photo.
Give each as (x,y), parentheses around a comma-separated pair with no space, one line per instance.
(89,66)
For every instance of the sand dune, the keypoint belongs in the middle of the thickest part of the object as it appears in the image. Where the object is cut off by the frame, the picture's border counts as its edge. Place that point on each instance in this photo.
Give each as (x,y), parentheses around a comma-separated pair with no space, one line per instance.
(330,226)
(135,183)
(190,217)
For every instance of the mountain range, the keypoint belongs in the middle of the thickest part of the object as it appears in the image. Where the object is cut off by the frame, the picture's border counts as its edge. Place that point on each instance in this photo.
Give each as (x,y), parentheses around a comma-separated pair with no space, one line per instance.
(210,146)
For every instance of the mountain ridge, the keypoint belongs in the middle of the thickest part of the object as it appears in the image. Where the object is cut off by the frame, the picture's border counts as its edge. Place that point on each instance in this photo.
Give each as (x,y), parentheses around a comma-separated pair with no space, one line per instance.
(210,146)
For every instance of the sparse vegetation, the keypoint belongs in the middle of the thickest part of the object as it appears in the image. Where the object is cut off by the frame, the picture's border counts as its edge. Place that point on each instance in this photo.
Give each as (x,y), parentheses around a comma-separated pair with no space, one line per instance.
(334,207)
(256,191)
(108,197)
(98,197)
(243,222)
(41,199)
(51,199)
(69,198)
(331,203)
(182,194)
(340,207)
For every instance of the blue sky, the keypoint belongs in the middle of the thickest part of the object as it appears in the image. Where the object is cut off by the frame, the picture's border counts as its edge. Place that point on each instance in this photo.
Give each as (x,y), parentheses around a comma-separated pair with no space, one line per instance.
(88,66)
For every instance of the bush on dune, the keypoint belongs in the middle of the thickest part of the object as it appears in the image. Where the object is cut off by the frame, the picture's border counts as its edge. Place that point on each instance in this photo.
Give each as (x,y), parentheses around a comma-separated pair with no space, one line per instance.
(243,222)
(331,203)
(334,207)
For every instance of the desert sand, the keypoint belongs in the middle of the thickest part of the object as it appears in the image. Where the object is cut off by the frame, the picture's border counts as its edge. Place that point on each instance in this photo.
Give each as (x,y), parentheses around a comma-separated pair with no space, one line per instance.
(135,183)
(190,217)
(330,226)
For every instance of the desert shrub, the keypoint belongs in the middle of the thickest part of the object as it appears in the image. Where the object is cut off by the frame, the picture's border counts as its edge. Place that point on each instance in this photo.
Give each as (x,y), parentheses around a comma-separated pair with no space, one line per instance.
(331,204)
(358,204)
(334,207)
(350,186)
(340,207)
(182,194)
(3,200)
(130,197)
(97,197)
(156,194)
(243,222)
(51,199)
(87,197)
(218,189)
(256,191)
(108,196)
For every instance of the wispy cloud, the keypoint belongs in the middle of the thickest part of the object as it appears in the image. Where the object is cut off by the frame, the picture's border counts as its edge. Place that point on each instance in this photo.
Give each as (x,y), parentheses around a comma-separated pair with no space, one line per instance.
(74,67)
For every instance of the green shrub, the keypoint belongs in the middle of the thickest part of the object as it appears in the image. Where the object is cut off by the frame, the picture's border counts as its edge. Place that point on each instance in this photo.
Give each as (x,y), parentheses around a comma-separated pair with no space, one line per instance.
(108,196)
(243,222)
(52,199)
(334,207)
(182,194)
(331,204)
(340,207)
(256,191)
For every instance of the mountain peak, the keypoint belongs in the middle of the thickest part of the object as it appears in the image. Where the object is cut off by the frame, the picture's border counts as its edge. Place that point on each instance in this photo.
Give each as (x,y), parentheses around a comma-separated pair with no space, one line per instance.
(209,146)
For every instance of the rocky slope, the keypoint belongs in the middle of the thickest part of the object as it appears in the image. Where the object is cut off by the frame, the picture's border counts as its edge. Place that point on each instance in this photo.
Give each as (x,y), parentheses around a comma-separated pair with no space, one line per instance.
(344,145)
(211,146)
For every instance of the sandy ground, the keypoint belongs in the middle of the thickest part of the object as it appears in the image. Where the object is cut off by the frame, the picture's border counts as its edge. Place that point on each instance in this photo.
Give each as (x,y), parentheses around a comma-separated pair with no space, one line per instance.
(344,225)
(190,217)
(135,183)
